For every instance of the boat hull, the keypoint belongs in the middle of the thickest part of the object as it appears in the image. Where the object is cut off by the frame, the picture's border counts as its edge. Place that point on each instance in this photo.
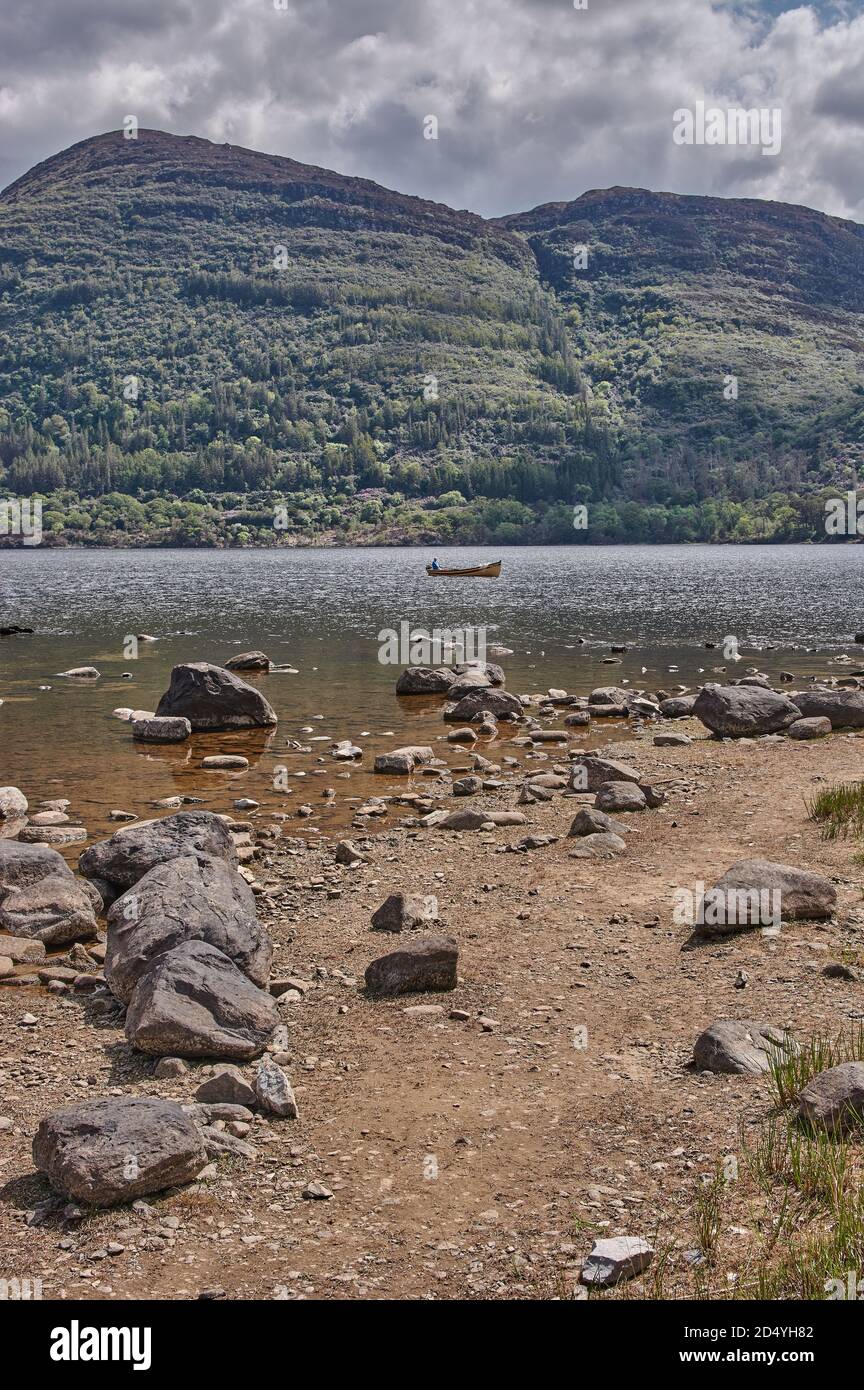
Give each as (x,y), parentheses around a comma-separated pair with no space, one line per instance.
(474,572)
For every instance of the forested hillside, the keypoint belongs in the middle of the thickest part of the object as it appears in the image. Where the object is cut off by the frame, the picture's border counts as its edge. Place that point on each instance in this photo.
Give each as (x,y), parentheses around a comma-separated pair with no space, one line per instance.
(197,341)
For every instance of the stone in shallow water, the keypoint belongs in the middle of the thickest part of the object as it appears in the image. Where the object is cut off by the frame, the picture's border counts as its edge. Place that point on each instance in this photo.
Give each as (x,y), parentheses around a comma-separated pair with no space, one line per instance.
(13,803)
(161,730)
(212,698)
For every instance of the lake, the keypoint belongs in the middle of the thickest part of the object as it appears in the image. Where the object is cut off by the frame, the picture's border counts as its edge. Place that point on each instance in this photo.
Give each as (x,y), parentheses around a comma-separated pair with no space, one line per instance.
(791,608)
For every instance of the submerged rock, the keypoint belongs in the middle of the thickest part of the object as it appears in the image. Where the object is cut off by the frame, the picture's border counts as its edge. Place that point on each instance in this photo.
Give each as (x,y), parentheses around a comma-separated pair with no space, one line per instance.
(249,661)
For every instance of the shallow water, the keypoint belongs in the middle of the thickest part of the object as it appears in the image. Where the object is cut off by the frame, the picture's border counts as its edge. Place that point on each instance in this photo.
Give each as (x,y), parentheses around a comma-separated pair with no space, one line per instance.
(322,611)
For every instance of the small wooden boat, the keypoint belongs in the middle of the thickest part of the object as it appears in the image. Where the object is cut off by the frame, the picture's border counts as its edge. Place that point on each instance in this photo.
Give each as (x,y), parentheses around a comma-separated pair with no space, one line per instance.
(474,572)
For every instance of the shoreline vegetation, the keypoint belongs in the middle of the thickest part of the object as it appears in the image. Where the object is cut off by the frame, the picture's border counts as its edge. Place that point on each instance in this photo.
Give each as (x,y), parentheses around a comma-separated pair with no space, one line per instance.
(374,517)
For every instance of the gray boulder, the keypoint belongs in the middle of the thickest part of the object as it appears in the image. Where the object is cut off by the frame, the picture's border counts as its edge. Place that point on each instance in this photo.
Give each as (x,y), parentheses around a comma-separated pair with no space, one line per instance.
(135,849)
(620,796)
(755,892)
(194,897)
(107,1151)
(603,845)
(500,704)
(592,822)
(834,1099)
(194,1002)
(22,865)
(227,1087)
(815,726)
(249,661)
(610,1261)
(844,708)
(425,964)
(609,695)
(739,711)
(740,1046)
(591,772)
(212,698)
(57,911)
(273,1090)
(406,911)
(677,706)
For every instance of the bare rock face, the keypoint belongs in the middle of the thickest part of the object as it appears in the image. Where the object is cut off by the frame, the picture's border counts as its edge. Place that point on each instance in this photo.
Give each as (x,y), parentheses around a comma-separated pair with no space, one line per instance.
(161,730)
(427,963)
(739,711)
(404,911)
(212,698)
(107,1151)
(190,898)
(844,708)
(740,1046)
(40,897)
(132,851)
(834,1099)
(194,1002)
(756,893)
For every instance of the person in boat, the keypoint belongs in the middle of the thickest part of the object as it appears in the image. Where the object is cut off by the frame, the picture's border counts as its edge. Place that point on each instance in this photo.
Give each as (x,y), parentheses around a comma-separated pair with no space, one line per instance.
(435,565)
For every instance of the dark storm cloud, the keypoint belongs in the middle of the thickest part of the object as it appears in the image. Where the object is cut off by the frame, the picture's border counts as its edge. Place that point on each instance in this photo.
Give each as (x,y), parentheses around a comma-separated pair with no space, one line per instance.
(535,100)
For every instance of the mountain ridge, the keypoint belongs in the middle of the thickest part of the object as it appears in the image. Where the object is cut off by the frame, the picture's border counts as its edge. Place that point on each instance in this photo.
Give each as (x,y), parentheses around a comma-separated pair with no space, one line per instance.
(402,352)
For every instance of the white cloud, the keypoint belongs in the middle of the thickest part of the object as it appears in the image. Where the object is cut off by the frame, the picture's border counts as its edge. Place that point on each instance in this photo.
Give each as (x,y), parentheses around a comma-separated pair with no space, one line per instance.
(535,101)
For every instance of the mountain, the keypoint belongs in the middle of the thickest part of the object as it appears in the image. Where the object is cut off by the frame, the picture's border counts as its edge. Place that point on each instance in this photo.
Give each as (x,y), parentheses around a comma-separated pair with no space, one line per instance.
(197,340)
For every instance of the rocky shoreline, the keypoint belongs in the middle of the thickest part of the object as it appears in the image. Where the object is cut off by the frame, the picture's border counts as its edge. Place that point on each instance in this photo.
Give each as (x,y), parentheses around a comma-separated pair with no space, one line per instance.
(207,965)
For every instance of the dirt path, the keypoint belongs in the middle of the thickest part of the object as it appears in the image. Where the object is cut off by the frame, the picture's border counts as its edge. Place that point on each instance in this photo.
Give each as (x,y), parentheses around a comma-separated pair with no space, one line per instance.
(463,1161)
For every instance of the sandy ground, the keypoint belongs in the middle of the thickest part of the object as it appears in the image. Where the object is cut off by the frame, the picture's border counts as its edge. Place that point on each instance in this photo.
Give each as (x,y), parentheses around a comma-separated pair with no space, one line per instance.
(463,1161)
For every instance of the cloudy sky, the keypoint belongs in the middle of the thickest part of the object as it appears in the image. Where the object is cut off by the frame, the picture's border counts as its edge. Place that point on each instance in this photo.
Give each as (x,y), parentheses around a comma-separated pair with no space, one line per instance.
(535,100)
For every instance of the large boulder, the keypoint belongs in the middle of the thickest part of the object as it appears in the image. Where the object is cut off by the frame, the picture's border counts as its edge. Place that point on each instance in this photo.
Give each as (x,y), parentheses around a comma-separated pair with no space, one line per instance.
(740,1046)
(834,1099)
(194,1002)
(427,963)
(609,695)
(212,698)
(133,850)
(498,702)
(116,1150)
(194,897)
(424,680)
(40,897)
(739,711)
(815,726)
(473,679)
(845,708)
(756,893)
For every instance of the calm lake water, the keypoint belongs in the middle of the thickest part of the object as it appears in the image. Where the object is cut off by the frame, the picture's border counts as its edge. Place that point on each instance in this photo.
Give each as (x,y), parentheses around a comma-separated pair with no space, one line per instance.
(791,608)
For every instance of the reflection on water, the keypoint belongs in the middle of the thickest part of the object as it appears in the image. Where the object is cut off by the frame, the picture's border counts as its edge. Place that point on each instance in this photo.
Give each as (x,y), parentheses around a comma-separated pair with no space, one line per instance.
(322,611)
